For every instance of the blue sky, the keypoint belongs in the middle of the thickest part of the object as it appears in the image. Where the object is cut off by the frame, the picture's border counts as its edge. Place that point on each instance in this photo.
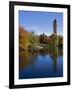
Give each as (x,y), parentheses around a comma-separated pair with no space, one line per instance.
(40,22)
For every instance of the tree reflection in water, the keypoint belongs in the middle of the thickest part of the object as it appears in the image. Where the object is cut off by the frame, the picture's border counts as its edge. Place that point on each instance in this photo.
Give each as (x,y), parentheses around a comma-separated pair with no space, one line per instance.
(27,57)
(54,57)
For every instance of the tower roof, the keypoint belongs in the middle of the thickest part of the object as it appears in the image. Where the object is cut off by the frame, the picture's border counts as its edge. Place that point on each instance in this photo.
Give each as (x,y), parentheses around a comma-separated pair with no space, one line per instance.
(55,21)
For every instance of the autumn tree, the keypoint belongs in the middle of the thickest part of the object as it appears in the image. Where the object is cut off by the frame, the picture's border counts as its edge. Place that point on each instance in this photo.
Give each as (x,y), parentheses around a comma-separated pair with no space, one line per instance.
(23,38)
(44,39)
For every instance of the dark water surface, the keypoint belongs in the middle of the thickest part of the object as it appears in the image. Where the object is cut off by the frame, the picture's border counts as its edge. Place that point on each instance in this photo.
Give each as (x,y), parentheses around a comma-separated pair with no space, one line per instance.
(40,64)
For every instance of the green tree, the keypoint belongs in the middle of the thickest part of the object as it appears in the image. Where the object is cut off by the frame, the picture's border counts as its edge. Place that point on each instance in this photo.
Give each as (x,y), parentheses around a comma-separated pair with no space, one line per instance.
(33,38)
(60,41)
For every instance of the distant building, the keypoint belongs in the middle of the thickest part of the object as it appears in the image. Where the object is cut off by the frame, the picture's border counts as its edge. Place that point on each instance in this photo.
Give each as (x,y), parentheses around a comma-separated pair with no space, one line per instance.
(55,26)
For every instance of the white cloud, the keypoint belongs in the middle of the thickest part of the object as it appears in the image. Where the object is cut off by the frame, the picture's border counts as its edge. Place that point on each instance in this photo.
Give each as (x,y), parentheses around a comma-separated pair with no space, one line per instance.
(38,33)
(33,28)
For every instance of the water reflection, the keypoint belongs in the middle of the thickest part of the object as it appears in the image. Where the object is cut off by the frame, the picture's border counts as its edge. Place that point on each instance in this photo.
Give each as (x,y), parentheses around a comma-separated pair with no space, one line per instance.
(41,63)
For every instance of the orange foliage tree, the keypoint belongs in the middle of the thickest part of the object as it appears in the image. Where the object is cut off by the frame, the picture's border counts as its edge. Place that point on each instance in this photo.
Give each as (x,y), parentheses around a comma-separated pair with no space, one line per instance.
(23,38)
